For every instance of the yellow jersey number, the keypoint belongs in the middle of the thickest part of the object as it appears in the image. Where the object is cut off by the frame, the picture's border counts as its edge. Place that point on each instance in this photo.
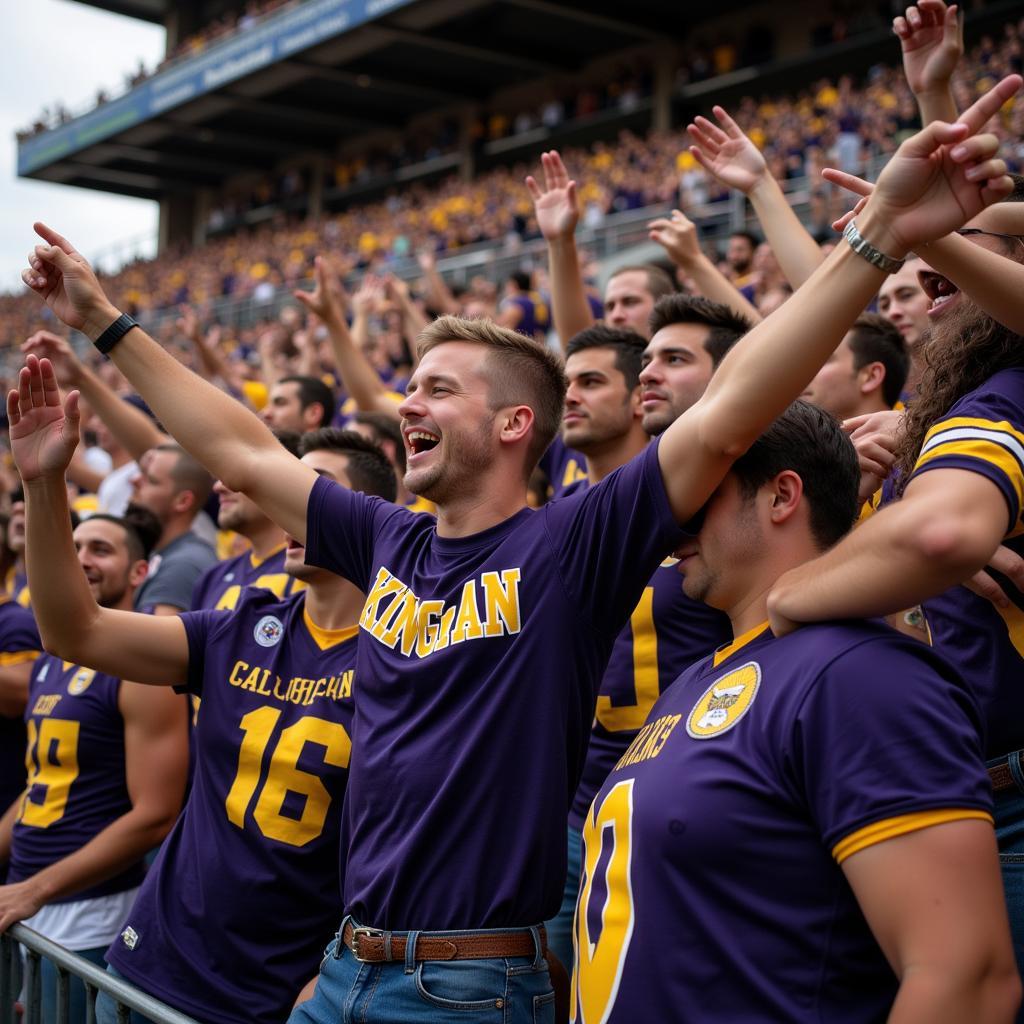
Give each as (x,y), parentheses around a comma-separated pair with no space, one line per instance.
(597,965)
(631,717)
(52,762)
(283,775)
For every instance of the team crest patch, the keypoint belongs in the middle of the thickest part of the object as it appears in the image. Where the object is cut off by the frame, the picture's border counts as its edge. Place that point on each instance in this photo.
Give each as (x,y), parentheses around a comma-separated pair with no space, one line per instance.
(724,702)
(80,681)
(130,937)
(268,631)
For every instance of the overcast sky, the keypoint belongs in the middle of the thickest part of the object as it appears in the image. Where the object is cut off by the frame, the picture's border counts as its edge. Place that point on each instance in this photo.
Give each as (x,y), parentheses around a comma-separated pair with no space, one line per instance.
(54,50)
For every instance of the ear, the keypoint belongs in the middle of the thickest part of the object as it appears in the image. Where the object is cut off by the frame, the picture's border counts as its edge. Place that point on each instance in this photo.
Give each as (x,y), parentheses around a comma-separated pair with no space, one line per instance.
(137,573)
(516,423)
(636,402)
(313,416)
(871,377)
(787,490)
(183,501)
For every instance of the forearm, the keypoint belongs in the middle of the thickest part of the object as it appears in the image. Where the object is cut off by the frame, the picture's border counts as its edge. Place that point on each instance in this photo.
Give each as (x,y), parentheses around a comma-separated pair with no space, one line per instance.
(7,830)
(412,319)
(61,600)
(14,680)
(937,105)
(992,281)
(439,295)
(714,285)
(798,254)
(570,309)
(212,363)
(117,847)
(132,428)
(216,429)
(773,363)
(357,375)
(895,560)
(81,474)
(947,997)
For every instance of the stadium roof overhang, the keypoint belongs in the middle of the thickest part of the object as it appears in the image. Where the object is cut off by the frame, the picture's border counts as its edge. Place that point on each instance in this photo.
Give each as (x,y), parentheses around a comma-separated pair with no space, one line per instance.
(326,71)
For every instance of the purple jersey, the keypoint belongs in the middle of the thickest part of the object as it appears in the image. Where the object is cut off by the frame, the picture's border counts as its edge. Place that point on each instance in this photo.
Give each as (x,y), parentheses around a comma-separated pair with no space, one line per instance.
(233,918)
(563,467)
(220,586)
(479,664)
(76,772)
(667,633)
(712,875)
(984,433)
(19,643)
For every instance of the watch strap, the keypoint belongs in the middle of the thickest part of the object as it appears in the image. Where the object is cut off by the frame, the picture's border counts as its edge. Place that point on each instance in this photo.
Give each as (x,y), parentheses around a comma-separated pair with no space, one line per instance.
(862,247)
(115,332)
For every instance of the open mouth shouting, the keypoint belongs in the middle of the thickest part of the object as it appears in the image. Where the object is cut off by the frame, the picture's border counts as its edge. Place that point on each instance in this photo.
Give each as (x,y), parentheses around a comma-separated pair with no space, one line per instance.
(940,290)
(419,441)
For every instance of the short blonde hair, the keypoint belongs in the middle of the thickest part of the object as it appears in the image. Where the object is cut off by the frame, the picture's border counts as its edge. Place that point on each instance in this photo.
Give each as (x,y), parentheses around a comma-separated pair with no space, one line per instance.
(521,372)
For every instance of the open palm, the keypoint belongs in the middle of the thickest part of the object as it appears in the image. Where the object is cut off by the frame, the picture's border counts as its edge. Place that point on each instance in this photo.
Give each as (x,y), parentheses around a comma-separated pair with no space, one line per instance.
(555,205)
(44,430)
(726,153)
(925,193)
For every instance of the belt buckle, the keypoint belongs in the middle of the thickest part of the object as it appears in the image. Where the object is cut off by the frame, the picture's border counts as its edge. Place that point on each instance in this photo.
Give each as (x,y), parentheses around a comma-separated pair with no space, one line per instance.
(357,934)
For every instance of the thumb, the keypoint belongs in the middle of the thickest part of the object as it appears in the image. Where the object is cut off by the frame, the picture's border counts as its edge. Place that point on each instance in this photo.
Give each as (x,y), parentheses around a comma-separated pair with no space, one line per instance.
(571,193)
(303,297)
(71,411)
(936,134)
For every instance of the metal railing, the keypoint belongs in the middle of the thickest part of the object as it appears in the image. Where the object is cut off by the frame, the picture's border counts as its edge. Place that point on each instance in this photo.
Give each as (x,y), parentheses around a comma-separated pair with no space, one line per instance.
(27,982)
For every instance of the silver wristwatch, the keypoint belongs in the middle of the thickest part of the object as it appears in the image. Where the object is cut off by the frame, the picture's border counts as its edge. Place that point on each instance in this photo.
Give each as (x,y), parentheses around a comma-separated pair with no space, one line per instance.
(862,247)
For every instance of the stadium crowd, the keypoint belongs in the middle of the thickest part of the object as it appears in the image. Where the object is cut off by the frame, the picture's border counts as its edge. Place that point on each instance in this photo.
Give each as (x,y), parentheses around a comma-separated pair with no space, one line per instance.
(545,653)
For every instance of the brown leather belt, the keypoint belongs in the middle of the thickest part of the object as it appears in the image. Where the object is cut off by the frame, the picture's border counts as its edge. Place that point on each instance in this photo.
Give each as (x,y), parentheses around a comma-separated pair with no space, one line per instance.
(372,946)
(1001,777)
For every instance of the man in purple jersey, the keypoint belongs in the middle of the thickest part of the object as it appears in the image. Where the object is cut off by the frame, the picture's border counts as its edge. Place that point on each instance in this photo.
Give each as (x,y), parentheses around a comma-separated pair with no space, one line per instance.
(962,460)
(487,631)
(106,761)
(666,631)
(802,829)
(250,873)
(19,648)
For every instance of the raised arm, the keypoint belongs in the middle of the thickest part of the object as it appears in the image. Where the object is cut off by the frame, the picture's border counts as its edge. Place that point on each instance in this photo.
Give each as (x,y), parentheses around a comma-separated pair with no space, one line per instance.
(357,376)
(922,194)
(993,281)
(213,427)
(557,209)
(932,38)
(132,428)
(730,156)
(678,236)
(44,432)
(439,295)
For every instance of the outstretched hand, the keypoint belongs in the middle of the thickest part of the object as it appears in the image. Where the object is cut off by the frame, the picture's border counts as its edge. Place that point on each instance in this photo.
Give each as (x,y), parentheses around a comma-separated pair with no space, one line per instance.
(326,300)
(44,430)
(556,205)
(62,278)
(726,153)
(678,236)
(932,37)
(47,345)
(944,175)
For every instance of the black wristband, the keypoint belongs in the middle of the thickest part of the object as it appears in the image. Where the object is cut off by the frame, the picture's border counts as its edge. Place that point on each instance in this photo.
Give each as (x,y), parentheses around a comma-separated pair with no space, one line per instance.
(114,333)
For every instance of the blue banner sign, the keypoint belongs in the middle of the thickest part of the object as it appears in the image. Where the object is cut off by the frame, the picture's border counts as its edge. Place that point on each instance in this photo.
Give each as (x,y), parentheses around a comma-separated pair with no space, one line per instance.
(282,35)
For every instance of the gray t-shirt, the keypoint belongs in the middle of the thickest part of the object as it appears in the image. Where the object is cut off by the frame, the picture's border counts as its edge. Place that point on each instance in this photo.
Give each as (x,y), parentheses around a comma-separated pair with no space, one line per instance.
(173,571)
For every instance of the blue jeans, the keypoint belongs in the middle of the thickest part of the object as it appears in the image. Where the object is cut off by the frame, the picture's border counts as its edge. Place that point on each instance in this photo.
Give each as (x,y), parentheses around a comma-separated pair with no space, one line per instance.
(516,990)
(106,1008)
(1009,817)
(560,927)
(76,989)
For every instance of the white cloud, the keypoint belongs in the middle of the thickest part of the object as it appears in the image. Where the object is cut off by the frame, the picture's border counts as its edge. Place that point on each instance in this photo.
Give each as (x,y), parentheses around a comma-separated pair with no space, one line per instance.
(59,51)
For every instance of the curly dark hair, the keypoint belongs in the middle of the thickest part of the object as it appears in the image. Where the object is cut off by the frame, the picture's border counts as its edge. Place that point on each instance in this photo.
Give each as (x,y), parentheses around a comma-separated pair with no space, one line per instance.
(959,356)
